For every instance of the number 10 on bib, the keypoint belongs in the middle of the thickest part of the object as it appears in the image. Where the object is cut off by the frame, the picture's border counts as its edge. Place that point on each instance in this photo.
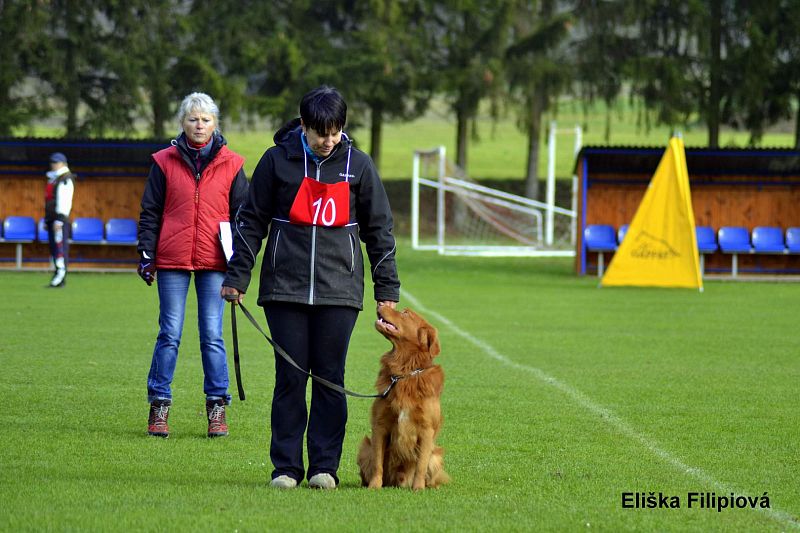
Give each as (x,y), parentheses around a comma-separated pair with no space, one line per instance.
(321,204)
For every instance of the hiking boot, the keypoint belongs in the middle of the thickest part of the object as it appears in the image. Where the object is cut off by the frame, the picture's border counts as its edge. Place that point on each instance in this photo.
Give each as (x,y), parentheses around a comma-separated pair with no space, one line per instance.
(283,482)
(322,481)
(215,410)
(157,421)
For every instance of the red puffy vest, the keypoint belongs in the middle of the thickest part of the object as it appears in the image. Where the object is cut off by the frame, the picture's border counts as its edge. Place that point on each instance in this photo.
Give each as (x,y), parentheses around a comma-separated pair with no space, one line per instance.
(193,209)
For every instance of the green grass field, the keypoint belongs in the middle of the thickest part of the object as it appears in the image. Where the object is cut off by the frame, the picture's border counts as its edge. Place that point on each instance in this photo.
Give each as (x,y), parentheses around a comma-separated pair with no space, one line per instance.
(559,398)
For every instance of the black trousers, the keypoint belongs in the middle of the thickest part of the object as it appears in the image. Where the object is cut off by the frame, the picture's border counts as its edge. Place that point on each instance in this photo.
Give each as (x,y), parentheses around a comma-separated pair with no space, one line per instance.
(316,337)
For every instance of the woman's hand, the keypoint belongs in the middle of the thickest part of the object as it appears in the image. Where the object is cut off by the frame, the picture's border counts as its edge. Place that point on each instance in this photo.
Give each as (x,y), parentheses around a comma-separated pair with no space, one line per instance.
(229,294)
(393,305)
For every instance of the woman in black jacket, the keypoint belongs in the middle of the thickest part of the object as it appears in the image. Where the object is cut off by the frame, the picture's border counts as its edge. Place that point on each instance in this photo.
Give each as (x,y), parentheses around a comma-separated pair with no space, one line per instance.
(316,197)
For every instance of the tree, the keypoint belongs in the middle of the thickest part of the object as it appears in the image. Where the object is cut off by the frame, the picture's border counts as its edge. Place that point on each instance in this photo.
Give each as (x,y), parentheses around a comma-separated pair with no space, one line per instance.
(87,70)
(602,49)
(538,72)
(766,54)
(252,55)
(471,37)
(260,54)
(22,50)
(788,59)
(385,63)
(73,35)
(149,39)
(682,67)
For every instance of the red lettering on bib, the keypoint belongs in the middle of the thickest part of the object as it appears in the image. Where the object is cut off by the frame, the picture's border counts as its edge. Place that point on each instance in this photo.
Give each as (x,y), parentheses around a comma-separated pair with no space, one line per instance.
(321,204)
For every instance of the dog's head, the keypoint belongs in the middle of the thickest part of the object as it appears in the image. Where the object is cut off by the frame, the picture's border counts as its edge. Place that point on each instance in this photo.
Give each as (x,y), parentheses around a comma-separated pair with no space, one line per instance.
(406,330)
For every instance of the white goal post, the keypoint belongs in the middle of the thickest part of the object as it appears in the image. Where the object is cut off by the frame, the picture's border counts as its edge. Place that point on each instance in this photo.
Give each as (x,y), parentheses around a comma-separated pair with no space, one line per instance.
(456,216)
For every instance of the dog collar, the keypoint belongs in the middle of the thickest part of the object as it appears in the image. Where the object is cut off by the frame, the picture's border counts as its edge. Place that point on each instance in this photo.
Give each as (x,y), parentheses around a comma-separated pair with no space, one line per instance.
(413,373)
(395,379)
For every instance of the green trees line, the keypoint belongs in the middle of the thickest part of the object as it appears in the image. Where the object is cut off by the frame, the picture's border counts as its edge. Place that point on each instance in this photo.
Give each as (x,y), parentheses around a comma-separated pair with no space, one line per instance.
(106,66)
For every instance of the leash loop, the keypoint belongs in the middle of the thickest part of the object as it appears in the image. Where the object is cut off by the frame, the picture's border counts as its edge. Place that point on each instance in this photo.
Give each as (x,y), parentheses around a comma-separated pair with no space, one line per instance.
(236,352)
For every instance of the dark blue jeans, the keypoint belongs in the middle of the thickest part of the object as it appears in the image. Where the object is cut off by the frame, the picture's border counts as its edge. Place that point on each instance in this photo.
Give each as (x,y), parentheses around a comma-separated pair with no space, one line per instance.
(316,337)
(173,285)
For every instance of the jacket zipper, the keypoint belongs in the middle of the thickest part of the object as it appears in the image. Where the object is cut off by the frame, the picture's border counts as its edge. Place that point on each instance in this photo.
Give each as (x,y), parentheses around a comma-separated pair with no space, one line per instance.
(312,265)
(313,256)
(196,216)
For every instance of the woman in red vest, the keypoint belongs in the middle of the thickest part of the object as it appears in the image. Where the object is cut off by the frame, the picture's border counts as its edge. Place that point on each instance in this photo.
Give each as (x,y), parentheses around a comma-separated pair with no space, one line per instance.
(316,198)
(194,185)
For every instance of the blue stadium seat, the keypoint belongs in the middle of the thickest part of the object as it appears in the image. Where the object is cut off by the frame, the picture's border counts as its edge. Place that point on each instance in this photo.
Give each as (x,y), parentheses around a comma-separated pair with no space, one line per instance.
(706,240)
(599,238)
(768,240)
(19,229)
(121,231)
(621,232)
(706,244)
(793,240)
(734,240)
(41,231)
(87,230)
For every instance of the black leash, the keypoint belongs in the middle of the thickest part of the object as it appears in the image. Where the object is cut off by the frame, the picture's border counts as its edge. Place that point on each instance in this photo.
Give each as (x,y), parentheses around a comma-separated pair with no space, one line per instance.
(287,357)
(236,352)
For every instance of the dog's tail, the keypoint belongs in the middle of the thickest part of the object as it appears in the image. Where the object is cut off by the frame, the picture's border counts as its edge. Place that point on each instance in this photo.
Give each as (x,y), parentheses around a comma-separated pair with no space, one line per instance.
(436,475)
(364,460)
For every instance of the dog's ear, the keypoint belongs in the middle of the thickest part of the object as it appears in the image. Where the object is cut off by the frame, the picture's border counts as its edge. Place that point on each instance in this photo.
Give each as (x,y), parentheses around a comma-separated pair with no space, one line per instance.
(429,339)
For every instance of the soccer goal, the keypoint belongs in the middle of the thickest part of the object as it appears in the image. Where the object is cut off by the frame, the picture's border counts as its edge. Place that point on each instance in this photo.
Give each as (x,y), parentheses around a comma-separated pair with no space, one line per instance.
(456,216)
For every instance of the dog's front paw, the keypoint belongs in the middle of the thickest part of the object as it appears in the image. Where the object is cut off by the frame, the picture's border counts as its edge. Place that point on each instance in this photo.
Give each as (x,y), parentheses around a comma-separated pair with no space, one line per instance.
(375,483)
(419,485)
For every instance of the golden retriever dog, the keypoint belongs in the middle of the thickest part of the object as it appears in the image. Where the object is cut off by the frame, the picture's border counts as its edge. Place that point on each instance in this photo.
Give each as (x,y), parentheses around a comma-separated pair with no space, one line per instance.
(402,451)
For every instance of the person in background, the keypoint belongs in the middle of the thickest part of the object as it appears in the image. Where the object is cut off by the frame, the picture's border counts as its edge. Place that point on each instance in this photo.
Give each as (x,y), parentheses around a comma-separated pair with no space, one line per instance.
(194,185)
(57,206)
(314,194)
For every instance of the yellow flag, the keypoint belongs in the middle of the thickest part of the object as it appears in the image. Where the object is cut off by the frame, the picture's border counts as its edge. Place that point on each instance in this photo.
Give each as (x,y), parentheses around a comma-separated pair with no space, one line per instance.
(660,246)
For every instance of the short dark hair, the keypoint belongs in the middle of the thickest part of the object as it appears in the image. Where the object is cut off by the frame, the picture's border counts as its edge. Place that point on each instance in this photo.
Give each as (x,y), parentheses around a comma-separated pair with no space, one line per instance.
(324,110)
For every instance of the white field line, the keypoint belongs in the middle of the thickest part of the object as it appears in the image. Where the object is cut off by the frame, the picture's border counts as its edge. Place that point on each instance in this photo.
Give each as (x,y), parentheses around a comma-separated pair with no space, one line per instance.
(605,414)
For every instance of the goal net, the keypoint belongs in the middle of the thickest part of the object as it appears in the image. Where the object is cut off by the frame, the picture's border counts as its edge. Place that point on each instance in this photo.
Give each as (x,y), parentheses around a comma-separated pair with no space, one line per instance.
(456,216)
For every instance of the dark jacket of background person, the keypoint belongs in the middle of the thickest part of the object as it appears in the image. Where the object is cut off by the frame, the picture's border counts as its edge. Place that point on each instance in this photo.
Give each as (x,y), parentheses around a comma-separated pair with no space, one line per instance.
(306,264)
(179,223)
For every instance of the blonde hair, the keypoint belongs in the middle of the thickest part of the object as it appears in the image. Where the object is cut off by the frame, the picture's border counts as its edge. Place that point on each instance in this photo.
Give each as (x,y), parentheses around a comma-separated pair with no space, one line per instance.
(198,102)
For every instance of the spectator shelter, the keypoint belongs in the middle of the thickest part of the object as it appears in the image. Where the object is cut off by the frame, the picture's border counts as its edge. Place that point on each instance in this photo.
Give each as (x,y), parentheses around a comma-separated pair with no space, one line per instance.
(108,191)
(731,188)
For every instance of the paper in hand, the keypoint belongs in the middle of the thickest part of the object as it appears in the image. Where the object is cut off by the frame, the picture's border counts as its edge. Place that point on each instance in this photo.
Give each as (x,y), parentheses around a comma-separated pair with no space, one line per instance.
(226,239)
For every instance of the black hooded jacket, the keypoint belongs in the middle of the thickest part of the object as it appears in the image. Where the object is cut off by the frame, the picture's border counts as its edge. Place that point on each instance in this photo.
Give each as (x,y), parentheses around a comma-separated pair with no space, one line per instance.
(306,264)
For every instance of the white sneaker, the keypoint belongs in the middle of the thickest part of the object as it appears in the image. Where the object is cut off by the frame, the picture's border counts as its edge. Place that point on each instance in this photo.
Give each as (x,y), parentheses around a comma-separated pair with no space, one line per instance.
(283,482)
(58,277)
(322,481)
